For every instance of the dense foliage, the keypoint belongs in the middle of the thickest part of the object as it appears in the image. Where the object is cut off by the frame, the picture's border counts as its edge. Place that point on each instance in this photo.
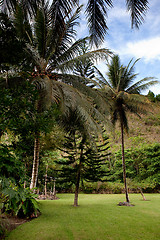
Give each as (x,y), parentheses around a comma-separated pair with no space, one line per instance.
(44,67)
(142,171)
(18,201)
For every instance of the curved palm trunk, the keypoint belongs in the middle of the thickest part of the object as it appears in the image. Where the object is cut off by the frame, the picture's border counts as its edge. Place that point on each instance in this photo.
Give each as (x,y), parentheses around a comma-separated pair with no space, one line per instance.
(123,163)
(35,162)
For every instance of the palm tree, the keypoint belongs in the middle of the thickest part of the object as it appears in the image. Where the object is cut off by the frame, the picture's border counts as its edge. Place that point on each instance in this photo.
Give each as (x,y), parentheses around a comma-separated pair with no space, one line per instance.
(125,97)
(52,48)
(96,12)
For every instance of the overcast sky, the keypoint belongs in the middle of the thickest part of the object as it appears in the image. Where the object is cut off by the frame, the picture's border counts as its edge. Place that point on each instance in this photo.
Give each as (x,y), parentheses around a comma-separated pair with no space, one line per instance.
(132,43)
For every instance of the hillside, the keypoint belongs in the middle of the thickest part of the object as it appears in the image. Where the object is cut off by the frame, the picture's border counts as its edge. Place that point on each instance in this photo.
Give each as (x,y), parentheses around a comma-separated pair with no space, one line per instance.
(141,130)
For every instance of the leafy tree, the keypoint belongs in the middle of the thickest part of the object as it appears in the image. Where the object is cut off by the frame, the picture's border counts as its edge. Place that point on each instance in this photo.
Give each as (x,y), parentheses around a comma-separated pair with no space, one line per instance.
(17,106)
(125,97)
(20,119)
(10,164)
(151,96)
(158,97)
(142,167)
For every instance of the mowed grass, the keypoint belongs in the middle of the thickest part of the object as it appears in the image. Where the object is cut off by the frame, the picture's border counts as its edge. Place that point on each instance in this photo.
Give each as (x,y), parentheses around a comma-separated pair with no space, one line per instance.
(97,218)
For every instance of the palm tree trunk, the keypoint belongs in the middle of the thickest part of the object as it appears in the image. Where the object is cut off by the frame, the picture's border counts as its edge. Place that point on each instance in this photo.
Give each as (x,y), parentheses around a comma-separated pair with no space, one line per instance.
(35,162)
(124,164)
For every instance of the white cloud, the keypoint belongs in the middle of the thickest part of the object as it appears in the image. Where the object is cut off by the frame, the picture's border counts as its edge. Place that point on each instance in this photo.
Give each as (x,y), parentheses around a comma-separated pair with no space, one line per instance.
(149,49)
(119,13)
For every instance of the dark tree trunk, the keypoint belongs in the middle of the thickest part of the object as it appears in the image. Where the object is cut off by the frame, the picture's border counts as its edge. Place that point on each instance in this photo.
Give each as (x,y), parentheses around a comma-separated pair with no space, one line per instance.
(123,163)
(25,175)
(45,184)
(1,133)
(78,176)
(35,162)
(77,188)
(142,193)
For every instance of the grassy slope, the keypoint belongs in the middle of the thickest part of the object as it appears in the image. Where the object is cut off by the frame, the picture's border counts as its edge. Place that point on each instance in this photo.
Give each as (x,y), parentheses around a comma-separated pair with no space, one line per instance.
(97,218)
(141,130)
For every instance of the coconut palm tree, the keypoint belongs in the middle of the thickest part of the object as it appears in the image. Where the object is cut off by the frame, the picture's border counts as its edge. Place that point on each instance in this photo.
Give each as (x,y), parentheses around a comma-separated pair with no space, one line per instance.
(96,12)
(124,93)
(53,50)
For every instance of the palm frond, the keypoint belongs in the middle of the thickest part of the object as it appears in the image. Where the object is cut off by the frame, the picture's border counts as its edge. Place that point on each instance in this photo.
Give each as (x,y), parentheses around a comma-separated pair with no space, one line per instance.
(137,104)
(37,60)
(19,21)
(143,84)
(59,41)
(93,56)
(70,24)
(137,9)
(58,11)
(101,79)
(29,6)
(59,57)
(75,101)
(40,28)
(128,75)
(114,69)
(22,24)
(99,99)
(8,5)
(96,13)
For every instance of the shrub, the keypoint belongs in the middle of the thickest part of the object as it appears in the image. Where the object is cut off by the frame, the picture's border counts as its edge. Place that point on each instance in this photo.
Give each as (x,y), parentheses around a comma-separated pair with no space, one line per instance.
(18,201)
(103,187)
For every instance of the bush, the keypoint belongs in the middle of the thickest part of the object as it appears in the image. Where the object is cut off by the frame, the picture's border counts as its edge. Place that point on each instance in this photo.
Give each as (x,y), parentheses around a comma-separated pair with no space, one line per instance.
(103,187)
(18,201)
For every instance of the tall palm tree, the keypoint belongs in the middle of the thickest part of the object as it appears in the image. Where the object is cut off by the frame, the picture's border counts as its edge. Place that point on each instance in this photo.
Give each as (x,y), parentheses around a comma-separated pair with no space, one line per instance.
(96,12)
(53,50)
(124,94)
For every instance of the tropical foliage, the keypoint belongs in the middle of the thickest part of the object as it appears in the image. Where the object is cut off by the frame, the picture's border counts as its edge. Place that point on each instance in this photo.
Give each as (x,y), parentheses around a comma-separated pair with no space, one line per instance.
(54,100)
(96,13)
(18,201)
(152,97)
(51,55)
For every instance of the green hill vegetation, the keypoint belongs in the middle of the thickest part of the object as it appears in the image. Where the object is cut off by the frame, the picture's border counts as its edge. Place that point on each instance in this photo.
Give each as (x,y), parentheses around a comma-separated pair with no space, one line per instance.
(144,130)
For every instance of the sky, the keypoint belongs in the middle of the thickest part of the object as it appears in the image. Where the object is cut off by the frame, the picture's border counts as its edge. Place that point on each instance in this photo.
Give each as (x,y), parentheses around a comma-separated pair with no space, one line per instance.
(128,43)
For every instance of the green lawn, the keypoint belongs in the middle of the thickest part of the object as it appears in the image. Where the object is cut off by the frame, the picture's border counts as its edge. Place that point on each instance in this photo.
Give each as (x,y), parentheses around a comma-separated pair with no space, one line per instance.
(97,218)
